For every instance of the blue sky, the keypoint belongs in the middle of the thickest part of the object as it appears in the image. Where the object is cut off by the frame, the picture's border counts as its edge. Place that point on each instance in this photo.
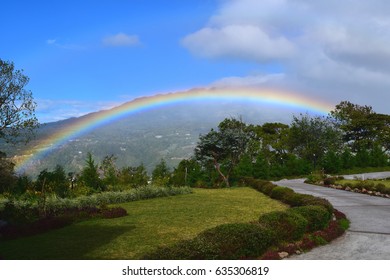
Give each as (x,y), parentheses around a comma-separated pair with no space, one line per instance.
(82,56)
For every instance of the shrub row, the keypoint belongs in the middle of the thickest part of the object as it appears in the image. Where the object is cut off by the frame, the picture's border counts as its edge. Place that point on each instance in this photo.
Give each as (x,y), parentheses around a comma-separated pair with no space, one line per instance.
(251,240)
(287,195)
(227,241)
(26,210)
(67,217)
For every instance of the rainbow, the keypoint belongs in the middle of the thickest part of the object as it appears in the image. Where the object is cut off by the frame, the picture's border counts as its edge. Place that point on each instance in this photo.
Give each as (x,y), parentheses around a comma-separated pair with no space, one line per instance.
(94,120)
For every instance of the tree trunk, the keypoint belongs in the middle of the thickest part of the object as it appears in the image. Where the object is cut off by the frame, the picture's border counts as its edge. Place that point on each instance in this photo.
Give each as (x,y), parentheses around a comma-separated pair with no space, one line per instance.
(225,178)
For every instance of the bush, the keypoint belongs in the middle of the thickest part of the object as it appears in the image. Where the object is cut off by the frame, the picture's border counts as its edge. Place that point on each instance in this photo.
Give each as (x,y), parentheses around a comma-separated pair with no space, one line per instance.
(280,192)
(314,178)
(296,199)
(228,241)
(267,188)
(288,226)
(317,216)
(329,181)
(115,212)
(18,212)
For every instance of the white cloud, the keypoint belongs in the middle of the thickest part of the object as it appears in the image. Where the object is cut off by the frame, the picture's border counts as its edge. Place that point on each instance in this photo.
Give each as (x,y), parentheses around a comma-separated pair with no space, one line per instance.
(50,110)
(249,81)
(238,41)
(121,40)
(337,49)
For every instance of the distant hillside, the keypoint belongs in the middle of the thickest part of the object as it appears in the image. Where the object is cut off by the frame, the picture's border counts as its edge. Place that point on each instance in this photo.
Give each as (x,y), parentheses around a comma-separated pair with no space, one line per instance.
(169,132)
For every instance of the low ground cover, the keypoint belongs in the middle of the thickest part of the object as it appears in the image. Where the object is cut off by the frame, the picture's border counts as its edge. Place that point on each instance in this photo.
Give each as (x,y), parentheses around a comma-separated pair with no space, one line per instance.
(148,225)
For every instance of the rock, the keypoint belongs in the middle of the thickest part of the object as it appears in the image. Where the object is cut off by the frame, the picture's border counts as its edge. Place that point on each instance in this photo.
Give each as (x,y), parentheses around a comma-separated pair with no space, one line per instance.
(364,190)
(386,195)
(369,192)
(298,252)
(283,255)
(348,189)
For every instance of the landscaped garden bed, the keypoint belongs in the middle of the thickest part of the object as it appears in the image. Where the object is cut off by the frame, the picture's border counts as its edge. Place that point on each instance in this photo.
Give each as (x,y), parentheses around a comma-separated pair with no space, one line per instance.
(377,187)
(310,222)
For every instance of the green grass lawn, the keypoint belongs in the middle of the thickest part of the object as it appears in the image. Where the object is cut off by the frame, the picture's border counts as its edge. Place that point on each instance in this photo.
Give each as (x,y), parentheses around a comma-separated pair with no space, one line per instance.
(149,224)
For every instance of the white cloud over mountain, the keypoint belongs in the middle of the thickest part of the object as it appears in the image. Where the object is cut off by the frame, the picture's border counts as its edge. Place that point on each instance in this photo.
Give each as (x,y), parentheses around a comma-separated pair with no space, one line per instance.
(335,49)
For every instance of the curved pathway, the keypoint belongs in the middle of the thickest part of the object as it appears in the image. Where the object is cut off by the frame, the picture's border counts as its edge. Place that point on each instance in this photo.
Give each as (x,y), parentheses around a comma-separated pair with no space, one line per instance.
(368,237)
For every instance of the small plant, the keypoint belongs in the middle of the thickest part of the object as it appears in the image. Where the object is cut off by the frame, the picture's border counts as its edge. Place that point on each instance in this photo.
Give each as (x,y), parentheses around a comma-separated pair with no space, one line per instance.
(329,181)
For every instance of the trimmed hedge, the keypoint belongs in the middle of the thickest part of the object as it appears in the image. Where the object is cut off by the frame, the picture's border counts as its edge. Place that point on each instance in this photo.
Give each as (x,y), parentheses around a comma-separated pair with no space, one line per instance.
(23,211)
(317,216)
(288,226)
(228,241)
(280,192)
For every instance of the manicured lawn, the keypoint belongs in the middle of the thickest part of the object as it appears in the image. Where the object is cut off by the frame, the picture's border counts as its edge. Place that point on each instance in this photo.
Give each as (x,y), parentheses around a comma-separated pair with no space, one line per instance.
(150,223)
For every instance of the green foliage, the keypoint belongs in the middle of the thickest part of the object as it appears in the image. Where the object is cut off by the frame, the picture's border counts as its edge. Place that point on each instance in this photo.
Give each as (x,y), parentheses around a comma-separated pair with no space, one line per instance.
(133,177)
(161,174)
(288,226)
(7,176)
(228,241)
(17,107)
(315,178)
(329,181)
(310,138)
(280,192)
(90,176)
(317,216)
(188,173)
(332,162)
(54,182)
(29,209)
(110,171)
(224,148)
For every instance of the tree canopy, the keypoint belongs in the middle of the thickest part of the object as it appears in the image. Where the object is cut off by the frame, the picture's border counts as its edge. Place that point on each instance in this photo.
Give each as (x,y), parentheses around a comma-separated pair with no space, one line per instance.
(17,107)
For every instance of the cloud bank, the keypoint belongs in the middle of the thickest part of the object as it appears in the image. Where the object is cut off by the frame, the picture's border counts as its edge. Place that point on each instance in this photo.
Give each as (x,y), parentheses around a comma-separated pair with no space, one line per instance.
(338,50)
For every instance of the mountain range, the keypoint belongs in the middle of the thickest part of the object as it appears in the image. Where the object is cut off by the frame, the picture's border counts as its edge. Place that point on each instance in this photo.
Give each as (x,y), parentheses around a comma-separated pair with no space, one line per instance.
(167,132)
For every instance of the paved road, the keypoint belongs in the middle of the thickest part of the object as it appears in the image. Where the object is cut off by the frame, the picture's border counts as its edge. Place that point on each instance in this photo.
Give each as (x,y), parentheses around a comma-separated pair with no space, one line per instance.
(368,237)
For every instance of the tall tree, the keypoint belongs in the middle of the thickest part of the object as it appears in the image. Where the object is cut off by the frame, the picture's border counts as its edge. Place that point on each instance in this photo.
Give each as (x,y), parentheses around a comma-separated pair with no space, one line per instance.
(224,147)
(17,107)
(7,175)
(311,137)
(90,175)
(161,174)
(362,127)
(134,176)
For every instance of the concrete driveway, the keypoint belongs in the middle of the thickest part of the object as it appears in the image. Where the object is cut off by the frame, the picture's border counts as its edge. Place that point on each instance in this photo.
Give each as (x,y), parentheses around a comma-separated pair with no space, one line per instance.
(368,237)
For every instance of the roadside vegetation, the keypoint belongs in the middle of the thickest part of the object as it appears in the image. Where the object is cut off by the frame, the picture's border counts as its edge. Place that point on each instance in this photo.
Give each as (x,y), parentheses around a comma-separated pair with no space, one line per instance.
(149,224)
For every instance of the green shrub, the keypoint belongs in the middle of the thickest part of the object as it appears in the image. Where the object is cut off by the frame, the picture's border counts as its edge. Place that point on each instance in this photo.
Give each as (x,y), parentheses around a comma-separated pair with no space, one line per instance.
(19,212)
(329,181)
(280,192)
(288,226)
(297,199)
(267,188)
(317,216)
(314,178)
(307,200)
(228,241)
